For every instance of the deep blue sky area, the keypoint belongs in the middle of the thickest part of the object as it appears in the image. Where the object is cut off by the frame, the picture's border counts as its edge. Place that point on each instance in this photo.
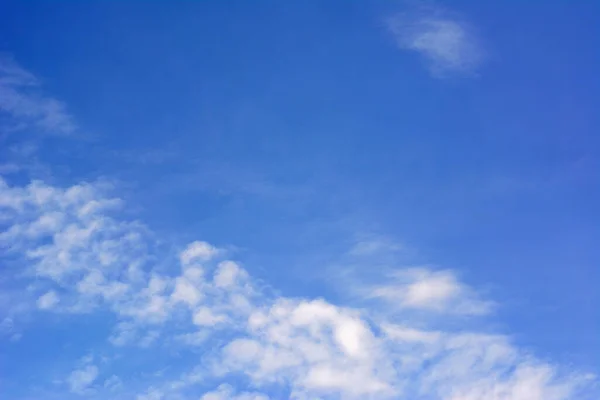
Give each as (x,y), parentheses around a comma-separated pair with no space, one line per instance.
(464,133)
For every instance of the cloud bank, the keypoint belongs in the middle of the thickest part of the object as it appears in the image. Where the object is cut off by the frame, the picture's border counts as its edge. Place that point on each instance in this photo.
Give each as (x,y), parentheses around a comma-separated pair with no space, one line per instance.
(76,256)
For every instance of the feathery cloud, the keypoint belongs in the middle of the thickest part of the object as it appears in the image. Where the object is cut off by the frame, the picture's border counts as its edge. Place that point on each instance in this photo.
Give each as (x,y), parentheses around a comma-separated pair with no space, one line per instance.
(424,289)
(447,43)
(22,101)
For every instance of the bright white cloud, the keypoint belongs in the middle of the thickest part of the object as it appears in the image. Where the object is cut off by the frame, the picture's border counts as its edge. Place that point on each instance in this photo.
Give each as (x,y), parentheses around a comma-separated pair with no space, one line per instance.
(404,334)
(81,379)
(228,274)
(21,99)
(317,348)
(445,42)
(198,251)
(312,347)
(423,289)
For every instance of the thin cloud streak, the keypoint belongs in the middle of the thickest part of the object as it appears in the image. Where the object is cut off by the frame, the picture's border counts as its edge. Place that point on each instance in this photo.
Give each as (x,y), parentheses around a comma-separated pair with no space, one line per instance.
(24,104)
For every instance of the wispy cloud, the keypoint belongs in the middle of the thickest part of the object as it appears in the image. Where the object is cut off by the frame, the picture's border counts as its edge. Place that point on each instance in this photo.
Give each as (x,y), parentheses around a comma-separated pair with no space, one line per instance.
(226,392)
(370,245)
(447,43)
(113,383)
(22,101)
(425,289)
(306,347)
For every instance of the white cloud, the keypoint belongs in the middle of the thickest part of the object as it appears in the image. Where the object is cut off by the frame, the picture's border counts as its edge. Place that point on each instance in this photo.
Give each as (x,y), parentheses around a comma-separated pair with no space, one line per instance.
(312,347)
(193,339)
(423,289)
(198,251)
(21,99)
(48,300)
(206,317)
(151,308)
(95,284)
(445,42)
(409,335)
(65,231)
(431,291)
(317,348)
(186,292)
(228,274)
(81,379)
(124,333)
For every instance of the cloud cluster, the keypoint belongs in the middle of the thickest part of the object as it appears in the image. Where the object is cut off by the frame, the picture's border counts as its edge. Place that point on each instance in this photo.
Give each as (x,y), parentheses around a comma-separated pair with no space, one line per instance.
(83,258)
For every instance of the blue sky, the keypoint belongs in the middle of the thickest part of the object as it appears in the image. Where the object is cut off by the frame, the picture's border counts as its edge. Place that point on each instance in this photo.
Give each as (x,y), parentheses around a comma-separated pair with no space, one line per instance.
(267,200)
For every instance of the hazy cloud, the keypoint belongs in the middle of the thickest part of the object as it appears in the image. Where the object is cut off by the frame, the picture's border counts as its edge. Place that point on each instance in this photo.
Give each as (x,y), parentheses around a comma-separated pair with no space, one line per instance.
(424,289)
(81,379)
(446,43)
(22,101)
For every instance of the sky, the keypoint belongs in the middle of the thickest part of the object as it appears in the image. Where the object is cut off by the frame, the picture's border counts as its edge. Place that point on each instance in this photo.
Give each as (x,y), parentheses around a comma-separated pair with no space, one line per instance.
(206,200)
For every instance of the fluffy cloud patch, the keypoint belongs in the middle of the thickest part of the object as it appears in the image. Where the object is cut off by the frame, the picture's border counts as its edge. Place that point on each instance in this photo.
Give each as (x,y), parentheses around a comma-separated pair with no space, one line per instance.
(307,348)
(198,251)
(424,289)
(317,348)
(81,379)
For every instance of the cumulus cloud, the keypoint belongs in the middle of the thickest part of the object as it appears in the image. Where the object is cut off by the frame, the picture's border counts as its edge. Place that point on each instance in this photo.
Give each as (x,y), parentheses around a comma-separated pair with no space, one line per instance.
(205,316)
(198,251)
(445,42)
(22,101)
(318,348)
(186,291)
(307,348)
(68,237)
(82,379)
